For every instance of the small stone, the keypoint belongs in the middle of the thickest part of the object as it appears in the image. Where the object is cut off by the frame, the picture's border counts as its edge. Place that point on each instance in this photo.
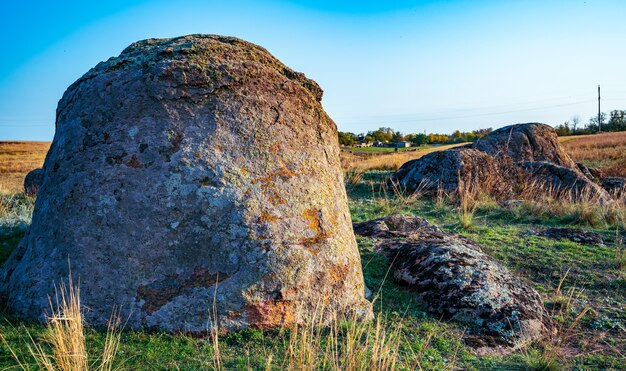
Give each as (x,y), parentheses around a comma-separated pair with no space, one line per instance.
(33,181)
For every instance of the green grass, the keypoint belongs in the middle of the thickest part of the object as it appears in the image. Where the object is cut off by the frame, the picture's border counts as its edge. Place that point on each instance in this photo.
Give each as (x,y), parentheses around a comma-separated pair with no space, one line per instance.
(591,270)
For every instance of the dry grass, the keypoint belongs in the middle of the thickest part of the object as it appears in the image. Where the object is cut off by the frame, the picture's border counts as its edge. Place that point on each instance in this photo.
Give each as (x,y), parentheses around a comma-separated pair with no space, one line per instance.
(606,151)
(64,346)
(344,345)
(552,351)
(386,161)
(16,160)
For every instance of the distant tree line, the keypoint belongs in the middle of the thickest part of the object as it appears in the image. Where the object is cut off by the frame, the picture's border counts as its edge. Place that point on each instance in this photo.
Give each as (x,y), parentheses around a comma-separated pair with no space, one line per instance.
(388,135)
(616,122)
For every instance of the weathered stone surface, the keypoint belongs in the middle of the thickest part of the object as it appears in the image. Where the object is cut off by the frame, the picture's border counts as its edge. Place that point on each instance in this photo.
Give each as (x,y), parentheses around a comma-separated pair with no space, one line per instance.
(615,186)
(504,163)
(456,280)
(443,170)
(572,234)
(589,172)
(563,182)
(525,142)
(189,170)
(32,181)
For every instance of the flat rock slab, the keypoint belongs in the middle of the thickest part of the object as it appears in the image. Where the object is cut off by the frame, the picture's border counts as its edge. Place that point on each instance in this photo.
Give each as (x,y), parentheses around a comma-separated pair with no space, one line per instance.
(456,280)
(571,234)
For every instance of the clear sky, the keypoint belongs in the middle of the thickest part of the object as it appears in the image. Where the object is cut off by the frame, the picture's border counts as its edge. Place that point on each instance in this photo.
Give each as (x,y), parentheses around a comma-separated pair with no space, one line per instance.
(416,66)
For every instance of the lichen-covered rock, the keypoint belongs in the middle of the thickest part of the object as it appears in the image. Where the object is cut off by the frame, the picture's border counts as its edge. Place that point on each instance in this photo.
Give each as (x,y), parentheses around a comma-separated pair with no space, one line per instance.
(187,171)
(563,182)
(32,181)
(572,234)
(615,186)
(525,142)
(456,280)
(589,172)
(506,162)
(444,170)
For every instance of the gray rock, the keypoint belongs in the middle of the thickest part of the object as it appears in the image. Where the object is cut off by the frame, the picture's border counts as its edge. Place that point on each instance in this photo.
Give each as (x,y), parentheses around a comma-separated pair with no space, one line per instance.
(563,182)
(572,234)
(33,181)
(615,186)
(525,142)
(456,280)
(189,171)
(444,170)
(504,163)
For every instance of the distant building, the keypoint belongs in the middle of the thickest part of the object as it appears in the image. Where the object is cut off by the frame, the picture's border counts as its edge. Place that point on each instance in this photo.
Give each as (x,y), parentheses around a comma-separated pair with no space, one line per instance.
(403,144)
(378,143)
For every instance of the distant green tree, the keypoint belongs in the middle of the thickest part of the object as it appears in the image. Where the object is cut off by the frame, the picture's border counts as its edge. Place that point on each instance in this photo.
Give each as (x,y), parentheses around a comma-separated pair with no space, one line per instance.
(563,129)
(417,139)
(347,139)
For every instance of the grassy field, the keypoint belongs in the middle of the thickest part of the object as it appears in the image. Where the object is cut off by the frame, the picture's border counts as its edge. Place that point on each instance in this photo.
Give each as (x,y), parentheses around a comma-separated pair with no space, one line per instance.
(582,286)
(381,149)
(605,151)
(388,160)
(16,160)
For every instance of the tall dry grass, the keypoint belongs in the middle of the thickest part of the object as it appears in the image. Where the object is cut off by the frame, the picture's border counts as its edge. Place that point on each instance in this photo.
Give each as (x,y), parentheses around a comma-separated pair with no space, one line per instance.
(606,151)
(552,351)
(63,346)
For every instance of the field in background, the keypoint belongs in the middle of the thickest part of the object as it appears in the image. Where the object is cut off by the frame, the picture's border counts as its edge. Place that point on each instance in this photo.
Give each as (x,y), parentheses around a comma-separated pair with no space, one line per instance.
(16,160)
(606,152)
(386,161)
(382,149)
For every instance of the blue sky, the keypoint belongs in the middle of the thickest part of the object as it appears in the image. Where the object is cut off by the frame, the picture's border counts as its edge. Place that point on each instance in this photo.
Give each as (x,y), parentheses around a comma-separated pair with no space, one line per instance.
(416,66)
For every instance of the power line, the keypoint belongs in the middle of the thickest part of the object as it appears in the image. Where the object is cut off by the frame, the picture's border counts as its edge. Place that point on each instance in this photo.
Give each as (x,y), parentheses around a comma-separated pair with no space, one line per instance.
(24,126)
(468,116)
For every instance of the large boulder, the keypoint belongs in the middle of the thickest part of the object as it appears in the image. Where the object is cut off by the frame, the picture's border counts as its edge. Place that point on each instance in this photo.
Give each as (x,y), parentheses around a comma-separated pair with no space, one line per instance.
(517,159)
(563,182)
(454,279)
(189,172)
(32,181)
(615,185)
(448,170)
(525,142)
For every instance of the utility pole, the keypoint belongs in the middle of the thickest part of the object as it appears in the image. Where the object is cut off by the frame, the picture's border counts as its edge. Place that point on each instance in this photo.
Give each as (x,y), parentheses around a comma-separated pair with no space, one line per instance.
(599,114)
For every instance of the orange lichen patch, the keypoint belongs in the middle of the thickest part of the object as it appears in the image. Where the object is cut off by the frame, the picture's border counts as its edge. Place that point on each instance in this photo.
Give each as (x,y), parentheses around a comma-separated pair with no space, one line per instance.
(314,217)
(275,199)
(338,274)
(134,162)
(267,217)
(233,314)
(198,154)
(275,148)
(265,314)
(283,174)
(218,147)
